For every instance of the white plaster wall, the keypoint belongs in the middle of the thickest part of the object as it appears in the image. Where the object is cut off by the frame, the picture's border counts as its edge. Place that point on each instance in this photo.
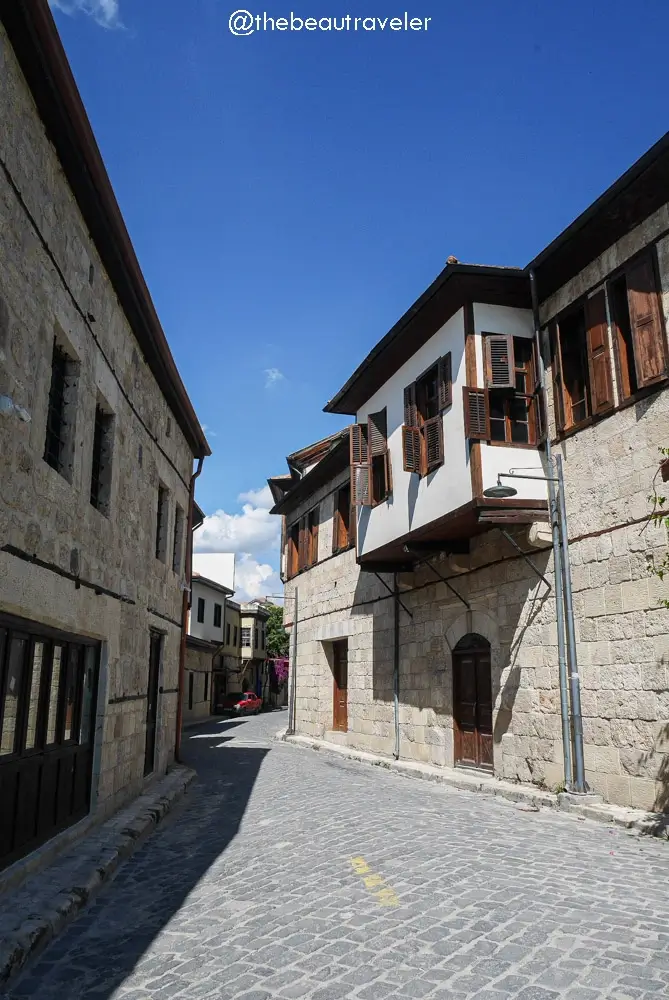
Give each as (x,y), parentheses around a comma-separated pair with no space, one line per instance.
(206,629)
(416,502)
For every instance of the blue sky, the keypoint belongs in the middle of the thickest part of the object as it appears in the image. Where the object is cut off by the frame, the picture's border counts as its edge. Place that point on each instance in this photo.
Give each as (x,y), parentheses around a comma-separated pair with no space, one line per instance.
(289,195)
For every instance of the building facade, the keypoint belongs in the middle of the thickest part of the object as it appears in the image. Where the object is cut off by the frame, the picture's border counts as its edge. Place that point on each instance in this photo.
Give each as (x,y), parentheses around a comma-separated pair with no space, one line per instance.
(253,647)
(426,616)
(97,440)
(205,645)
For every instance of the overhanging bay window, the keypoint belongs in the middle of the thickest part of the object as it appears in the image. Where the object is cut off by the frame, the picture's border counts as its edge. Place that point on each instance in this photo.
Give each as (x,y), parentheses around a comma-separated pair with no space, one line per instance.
(424,403)
(507,411)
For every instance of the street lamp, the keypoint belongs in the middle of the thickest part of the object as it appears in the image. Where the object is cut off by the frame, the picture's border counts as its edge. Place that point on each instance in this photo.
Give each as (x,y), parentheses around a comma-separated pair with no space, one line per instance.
(564,614)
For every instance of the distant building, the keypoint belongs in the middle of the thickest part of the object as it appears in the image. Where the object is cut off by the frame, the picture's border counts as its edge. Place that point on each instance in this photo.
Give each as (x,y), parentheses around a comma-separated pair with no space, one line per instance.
(207,625)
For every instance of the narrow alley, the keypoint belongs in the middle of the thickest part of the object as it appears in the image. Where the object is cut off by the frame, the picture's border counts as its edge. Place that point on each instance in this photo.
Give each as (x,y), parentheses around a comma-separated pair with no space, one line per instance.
(290,873)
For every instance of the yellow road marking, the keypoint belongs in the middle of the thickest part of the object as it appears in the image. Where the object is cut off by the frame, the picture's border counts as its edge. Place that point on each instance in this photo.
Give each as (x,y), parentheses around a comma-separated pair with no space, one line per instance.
(385,895)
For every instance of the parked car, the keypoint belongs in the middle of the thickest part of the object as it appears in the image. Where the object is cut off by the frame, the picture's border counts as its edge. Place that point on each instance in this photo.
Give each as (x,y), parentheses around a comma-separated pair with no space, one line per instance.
(246,703)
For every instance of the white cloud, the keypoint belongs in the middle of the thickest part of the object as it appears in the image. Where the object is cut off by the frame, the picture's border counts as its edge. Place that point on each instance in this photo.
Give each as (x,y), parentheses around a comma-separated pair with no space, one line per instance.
(252,535)
(254,579)
(206,429)
(273,375)
(105,12)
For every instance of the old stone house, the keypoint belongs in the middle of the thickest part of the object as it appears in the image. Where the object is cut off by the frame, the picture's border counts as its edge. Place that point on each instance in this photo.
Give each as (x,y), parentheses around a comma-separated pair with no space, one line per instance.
(97,441)
(253,646)
(425,611)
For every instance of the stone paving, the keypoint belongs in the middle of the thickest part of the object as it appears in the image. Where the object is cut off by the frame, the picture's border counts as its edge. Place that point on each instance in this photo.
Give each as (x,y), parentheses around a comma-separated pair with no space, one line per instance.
(288,873)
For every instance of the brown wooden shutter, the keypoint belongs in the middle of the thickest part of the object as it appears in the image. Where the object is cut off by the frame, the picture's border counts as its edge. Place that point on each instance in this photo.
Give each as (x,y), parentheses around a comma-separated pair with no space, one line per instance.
(646,320)
(313,539)
(360,476)
(445,381)
(499,361)
(599,356)
(477,414)
(433,434)
(377,433)
(411,449)
(556,372)
(303,546)
(410,409)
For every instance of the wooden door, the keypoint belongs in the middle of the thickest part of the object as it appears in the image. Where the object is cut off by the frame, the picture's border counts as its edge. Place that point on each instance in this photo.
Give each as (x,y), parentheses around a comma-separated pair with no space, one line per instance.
(340,694)
(472,707)
(48,684)
(152,702)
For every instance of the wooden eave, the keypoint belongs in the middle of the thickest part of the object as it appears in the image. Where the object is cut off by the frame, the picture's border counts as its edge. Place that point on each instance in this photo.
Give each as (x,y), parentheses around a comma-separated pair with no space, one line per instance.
(641,190)
(334,463)
(450,291)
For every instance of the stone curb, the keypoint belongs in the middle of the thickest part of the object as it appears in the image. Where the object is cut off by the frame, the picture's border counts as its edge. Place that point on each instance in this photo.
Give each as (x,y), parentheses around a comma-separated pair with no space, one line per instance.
(528,796)
(37,911)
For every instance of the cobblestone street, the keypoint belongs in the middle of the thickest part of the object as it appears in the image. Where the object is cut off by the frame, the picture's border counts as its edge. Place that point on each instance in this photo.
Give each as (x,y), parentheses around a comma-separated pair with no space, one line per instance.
(290,873)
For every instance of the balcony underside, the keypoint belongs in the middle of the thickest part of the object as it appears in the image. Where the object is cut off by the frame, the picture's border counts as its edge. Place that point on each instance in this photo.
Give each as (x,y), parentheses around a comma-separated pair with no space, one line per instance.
(451,533)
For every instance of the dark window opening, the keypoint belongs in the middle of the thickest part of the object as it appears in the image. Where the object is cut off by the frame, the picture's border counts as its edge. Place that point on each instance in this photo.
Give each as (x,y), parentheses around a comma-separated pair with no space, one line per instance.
(227,635)
(190,690)
(178,539)
(200,609)
(161,524)
(103,437)
(574,368)
(427,395)
(217,615)
(61,412)
(206,687)
(236,637)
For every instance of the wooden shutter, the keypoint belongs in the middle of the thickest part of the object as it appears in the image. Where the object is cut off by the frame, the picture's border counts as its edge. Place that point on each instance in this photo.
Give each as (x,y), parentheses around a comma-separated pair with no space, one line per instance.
(360,477)
(646,320)
(411,449)
(445,382)
(410,409)
(477,414)
(556,372)
(433,435)
(303,545)
(313,537)
(599,356)
(377,433)
(499,361)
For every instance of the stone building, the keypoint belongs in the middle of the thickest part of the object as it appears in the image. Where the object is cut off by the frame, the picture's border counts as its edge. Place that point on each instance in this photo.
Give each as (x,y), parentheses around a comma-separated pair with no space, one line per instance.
(97,441)
(425,611)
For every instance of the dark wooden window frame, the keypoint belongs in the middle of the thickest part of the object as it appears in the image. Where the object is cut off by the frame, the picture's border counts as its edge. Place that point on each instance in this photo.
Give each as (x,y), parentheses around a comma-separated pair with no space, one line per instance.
(476,400)
(643,393)
(423,432)
(201,605)
(302,543)
(339,529)
(59,435)
(162,519)
(218,612)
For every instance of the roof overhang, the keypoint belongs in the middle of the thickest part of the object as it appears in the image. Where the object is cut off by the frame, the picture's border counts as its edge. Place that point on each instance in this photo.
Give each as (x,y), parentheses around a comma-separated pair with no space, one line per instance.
(34,37)
(206,582)
(456,285)
(473,518)
(641,190)
(334,463)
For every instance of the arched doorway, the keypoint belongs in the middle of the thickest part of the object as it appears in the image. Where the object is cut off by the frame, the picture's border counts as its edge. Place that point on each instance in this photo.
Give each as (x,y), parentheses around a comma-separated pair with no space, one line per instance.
(472,702)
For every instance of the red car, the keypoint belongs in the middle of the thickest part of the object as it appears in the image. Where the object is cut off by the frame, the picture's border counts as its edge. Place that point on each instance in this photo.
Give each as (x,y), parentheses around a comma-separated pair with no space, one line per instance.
(247,703)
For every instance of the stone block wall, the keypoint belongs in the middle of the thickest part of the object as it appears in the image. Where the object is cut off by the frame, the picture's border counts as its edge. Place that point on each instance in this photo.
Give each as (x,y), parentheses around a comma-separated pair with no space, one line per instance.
(53,286)
(199,664)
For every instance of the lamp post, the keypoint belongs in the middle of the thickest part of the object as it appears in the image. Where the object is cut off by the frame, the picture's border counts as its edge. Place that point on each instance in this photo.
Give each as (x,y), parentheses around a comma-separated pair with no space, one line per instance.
(292,660)
(568,667)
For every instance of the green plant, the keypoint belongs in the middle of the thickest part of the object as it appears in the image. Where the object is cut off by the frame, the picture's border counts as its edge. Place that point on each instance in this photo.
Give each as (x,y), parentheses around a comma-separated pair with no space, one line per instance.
(277,637)
(659,514)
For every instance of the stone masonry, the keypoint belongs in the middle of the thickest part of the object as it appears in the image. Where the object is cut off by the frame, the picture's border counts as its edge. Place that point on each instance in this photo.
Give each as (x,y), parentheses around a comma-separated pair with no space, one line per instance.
(53,285)
(622,630)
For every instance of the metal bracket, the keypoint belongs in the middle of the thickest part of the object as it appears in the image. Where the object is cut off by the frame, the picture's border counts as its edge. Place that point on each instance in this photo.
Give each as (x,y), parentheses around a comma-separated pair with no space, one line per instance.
(525,557)
(391,591)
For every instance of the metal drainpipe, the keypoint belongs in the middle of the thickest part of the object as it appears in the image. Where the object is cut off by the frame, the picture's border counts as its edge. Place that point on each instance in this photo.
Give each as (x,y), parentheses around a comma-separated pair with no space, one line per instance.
(292,694)
(184,610)
(574,679)
(396,664)
(557,557)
